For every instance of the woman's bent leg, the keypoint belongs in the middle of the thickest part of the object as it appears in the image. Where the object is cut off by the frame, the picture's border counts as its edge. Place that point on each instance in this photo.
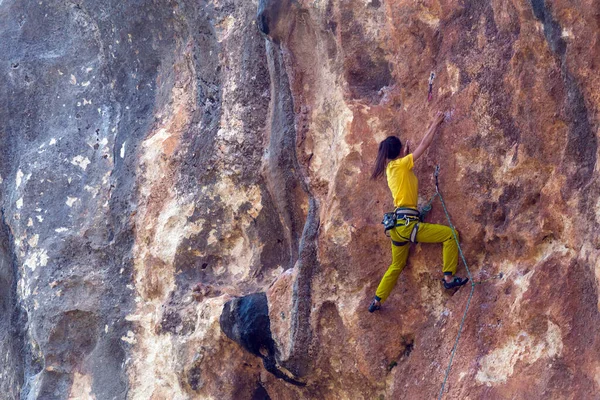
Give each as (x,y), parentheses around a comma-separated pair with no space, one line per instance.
(399,256)
(433,233)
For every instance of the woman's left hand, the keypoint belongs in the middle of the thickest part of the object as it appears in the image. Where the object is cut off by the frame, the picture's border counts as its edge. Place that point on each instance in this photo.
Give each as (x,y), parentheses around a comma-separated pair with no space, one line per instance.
(406,150)
(439,118)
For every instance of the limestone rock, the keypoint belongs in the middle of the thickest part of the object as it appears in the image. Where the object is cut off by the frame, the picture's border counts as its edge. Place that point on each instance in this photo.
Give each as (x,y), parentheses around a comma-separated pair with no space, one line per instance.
(179,176)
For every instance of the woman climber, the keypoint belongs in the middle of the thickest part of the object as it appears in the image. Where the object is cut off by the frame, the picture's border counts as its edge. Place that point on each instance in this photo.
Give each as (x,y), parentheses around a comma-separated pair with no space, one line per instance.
(404,186)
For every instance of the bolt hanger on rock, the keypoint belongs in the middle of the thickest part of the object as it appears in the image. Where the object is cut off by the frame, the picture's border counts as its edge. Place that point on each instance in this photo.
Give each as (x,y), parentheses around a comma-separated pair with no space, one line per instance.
(430,93)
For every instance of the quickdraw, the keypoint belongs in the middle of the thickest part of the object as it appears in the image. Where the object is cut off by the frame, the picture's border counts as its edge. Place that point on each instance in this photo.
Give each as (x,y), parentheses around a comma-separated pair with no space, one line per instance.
(430,94)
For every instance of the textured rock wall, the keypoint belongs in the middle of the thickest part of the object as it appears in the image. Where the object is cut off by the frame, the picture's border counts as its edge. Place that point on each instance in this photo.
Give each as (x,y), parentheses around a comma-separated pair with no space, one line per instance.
(187,211)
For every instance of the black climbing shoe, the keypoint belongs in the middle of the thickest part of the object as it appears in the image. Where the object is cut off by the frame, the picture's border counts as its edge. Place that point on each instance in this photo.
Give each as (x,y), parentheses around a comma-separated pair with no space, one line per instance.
(455,283)
(374,306)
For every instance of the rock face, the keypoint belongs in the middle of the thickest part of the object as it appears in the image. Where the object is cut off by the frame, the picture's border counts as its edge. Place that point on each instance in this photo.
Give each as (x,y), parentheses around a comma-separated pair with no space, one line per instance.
(187,211)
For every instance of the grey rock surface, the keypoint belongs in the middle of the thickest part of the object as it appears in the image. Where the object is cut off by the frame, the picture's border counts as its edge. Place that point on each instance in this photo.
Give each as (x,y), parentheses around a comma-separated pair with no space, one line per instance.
(83,85)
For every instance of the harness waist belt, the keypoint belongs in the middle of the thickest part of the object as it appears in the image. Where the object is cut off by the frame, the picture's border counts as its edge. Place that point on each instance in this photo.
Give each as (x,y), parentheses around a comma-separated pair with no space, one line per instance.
(407,212)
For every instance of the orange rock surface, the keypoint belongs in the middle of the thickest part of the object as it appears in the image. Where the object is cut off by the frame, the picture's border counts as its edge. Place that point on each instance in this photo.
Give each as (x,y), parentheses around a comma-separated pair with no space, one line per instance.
(518,174)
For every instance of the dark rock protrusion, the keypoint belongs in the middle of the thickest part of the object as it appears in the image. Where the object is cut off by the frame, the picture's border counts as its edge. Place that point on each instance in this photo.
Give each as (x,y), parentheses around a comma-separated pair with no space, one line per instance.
(285,182)
(289,189)
(260,393)
(245,320)
(269,13)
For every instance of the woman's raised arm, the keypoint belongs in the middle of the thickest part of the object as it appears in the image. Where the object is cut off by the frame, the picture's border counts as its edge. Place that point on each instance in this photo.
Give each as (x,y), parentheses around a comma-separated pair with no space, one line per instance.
(439,118)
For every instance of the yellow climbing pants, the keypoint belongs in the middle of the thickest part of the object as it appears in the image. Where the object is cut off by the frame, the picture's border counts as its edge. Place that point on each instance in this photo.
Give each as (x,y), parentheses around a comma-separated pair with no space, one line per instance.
(428,233)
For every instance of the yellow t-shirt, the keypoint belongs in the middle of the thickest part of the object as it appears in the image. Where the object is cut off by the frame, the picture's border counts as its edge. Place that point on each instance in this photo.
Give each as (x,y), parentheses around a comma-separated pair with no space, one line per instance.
(403,182)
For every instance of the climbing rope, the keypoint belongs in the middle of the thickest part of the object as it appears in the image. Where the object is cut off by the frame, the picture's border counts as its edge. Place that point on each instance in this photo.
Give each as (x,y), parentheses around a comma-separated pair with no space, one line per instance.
(462,323)
(425,209)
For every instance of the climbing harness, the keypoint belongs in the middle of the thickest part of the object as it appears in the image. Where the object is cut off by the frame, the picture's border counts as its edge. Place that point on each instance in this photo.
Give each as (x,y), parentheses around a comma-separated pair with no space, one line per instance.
(430,93)
(409,215)
(399,217)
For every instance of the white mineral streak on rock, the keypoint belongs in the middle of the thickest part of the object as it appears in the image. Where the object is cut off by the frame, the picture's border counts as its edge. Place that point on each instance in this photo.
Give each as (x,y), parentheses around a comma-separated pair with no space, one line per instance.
(106,177)
(122,152)
(234,196)
(162,224)
(130,338)
(332,119)
(52,141)
(521,283)
(374,124)
(19,178)
(23,288)
(225,27)
(567,33)
(81,388)
(498,366)
(70,201)
(92,190)
(19,203)
(60,230)
(33,241)
(172,228)
(37,258)
(453,77)
(81,162)
(242,254)
(212,237)
(242,251)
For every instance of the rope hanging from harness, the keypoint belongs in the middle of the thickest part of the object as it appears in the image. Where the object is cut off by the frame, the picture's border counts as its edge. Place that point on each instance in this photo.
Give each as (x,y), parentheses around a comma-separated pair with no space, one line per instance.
(462,323)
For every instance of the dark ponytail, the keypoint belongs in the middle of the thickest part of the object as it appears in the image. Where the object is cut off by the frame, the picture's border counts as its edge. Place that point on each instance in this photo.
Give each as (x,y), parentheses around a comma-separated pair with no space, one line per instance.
(388,150)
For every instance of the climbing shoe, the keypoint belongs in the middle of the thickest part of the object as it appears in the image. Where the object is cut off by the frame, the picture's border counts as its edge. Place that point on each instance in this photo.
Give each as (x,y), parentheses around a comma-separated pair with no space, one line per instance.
(374,306)
(456,282)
